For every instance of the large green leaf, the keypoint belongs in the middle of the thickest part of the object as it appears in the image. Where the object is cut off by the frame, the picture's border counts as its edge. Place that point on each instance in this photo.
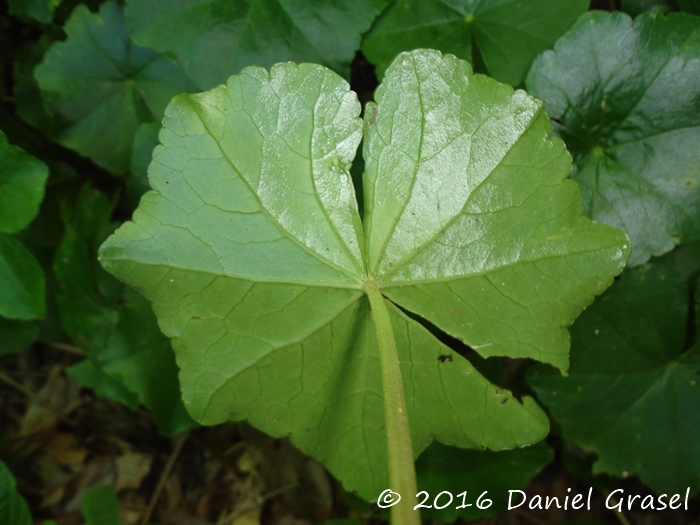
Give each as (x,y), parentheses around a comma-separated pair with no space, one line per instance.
(502,36)
(216,38)
(13,508)
(22,181)
(129,359)
(627,96)
(442,468)
(633,391)
(254,256)
(105,86)
(21,280)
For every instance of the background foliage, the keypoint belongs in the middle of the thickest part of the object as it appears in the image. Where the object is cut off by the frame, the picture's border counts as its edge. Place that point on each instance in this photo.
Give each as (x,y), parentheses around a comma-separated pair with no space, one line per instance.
(83,88)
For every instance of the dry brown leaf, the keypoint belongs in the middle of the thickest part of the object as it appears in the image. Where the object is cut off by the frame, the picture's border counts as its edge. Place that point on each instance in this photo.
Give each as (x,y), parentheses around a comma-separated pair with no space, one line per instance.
(132,467)
(66,450)
(56,398)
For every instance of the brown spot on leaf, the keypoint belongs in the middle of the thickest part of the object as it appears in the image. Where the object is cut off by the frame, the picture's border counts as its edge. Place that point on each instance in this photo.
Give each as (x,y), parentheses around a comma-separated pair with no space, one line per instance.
(445,357)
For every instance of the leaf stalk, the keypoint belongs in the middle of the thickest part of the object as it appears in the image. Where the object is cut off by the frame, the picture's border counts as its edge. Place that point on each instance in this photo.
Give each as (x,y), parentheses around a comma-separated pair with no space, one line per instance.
(402,473)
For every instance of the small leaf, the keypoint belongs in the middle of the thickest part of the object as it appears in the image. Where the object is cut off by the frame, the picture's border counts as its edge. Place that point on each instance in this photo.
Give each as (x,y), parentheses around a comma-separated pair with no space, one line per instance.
(129,359)
(442,468)
(21,281)
(90,373)
(101,507)
(105,86)
(22,181)
(504,36)
(633,391)
(253,253)
(41,10)
(626,96)
(213,39)
(13,508)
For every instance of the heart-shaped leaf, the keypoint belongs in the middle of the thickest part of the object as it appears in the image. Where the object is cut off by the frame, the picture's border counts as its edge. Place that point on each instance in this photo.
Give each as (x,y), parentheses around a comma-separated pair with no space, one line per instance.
(213,39)
(259,267)
(633,388)
(502,37)
(626,96)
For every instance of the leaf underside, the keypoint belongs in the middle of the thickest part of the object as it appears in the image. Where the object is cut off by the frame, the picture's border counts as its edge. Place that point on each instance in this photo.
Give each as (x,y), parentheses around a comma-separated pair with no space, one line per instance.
(253,254)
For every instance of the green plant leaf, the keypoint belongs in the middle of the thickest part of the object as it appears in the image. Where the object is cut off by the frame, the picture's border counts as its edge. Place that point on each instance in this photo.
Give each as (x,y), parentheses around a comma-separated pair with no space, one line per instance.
(442,468)
(636,7)
(17,335)
(22,182)
(501,36)
(41,10)
(13,508)
(145,141)
(21,281)
(101,507)
(633,391)
(129,359)
(254,256)
(213,39)
(627,97)
(690,6)
(105,86)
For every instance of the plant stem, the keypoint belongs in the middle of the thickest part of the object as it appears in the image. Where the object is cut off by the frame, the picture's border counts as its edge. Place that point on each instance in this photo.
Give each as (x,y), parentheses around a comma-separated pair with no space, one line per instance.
(402,473)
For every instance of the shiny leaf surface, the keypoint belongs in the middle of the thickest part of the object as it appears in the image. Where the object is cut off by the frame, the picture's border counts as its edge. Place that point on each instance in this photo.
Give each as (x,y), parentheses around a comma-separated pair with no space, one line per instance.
(627,96)
(254,256)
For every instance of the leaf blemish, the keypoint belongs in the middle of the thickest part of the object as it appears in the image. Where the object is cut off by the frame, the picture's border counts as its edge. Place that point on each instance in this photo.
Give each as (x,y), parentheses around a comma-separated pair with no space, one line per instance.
(444,358)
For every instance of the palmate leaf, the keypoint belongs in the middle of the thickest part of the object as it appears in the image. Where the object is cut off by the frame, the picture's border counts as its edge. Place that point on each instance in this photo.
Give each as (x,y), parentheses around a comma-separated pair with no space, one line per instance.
(501,36)
(41,10)
(213,39)
(633,390)
(104,86)
(627,97)
(256,260)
